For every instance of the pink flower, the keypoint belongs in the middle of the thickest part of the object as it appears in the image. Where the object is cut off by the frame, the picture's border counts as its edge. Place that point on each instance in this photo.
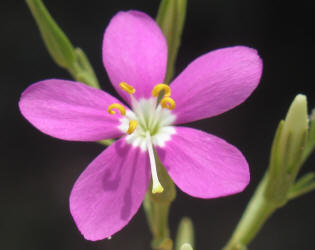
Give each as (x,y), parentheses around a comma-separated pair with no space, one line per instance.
(111,189)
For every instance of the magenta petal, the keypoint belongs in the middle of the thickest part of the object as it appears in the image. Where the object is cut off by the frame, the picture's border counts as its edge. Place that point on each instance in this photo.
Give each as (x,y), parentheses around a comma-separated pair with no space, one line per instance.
(110,191)
(203,165)
(216,82)
(134,51)
(69,110)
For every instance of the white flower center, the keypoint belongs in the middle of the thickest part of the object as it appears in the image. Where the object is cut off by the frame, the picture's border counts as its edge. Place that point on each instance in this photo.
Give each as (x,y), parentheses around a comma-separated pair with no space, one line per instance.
(152,119)
(148,124)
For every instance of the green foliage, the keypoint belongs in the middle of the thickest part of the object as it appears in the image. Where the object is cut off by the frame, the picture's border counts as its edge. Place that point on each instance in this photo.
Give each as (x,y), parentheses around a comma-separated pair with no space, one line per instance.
(59,46)
(292,144)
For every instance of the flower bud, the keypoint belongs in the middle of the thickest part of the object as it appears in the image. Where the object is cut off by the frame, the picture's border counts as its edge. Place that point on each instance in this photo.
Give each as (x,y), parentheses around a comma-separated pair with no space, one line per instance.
(294,132)
(287,151)
(185,235)
(186,246)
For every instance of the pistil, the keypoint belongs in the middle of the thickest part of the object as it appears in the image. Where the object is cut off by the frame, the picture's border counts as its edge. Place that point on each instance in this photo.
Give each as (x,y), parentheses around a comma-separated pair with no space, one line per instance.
(156,185)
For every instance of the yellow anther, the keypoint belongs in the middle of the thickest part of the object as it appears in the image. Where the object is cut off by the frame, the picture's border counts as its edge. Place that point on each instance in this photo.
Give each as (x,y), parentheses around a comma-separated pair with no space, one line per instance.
(117,106)
(168,102)
(132,126)
(159,87)
(126,87)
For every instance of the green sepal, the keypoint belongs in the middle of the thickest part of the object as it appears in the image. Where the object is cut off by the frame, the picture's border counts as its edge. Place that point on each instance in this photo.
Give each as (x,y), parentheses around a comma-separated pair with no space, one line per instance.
(82,70)
(185,234)
(106,142)
(171,17)
(303,185)
(57,43)
(274,155)
(295,129)
(169,193)
(310,145)
(276,188)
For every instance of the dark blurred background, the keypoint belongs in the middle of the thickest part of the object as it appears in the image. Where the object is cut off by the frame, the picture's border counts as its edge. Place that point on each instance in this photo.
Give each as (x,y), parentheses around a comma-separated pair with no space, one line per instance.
(37,172)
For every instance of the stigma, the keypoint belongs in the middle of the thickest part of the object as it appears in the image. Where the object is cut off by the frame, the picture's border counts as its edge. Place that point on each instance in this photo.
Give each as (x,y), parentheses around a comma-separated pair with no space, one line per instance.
(156,185)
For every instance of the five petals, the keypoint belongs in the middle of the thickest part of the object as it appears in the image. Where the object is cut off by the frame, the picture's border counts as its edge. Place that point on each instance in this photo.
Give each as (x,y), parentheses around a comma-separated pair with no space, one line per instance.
(111,189)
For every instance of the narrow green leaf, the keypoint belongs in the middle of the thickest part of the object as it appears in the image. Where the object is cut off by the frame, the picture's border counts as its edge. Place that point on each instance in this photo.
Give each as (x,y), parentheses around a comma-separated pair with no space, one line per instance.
(57,44)
(304,180)
(171,17)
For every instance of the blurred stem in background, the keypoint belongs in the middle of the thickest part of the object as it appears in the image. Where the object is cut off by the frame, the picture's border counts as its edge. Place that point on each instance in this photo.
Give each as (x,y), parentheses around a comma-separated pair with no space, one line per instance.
(185,238)
(170,17)
(292,144)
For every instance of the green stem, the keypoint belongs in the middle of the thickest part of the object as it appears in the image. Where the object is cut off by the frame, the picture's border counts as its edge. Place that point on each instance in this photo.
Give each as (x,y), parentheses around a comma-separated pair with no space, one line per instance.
(185,234)
(157,215)
(171,18)
(257,212)
(157,206)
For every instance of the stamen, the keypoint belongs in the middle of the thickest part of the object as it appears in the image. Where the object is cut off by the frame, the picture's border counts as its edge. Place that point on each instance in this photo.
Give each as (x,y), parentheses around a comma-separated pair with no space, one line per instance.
(132,126)
(159,87)
(168,102)
(128,88)
(156,185)
(117,106)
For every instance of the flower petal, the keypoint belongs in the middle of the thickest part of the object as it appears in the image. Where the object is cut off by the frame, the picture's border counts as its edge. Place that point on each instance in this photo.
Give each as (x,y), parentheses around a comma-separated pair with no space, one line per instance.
(110,191)
(216,82)
(69,110)
(203,165)
(134,51)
